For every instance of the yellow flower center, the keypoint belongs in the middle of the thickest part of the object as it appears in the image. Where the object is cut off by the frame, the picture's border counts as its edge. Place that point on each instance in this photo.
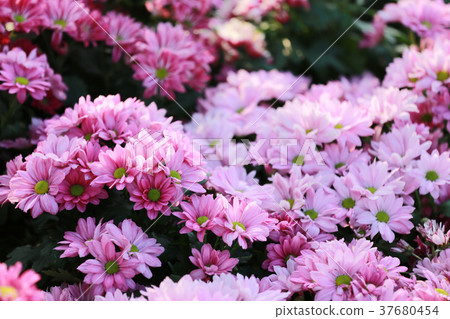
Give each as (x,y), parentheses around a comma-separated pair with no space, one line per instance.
(41,187)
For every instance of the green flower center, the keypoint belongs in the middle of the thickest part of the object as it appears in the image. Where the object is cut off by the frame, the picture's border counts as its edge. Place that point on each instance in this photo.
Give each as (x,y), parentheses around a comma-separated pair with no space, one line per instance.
(111,267)
(161,73)
(76,190)
(134,249)
(88,136)
(61,23)
(382,216)
(311,213)
(175,174)
(441,291)
(298,160)
(371,189)
(343,280)
(427,117)
(240,110)
(413,80)
(238,224)
(8,292)
(339,165)
(19,18)
(338,126)
(308,131)
(202,219)
(118,173)
(154,195)
(427,24)
(442,76)
(431,176)
(291,203)
(41,187)
(348,203)
(22,80)
(288,257)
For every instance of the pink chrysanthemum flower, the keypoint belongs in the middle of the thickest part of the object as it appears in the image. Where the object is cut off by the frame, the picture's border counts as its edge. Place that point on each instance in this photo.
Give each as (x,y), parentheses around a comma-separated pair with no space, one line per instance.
(200,214)
(12,167)
(211,262)
(281,279)
(244,220)
(75,243)
(433,172)
(35,187)
(17,286)
(400,147)
(288,193)
(374,180)
(184,175)
(321,212)
(118,296)
(113,168)
(62,149)
(109,268)
(153,193)
(25,14)
(122,30)
(75,292)
(385,215)
(139,246)
(337,271)
(76,191)
(20,75)
(289,247)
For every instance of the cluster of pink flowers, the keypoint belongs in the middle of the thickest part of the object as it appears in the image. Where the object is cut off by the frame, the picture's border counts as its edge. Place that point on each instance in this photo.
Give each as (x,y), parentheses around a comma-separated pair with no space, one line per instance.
(22,73)
(427,18)
(118,253)
(165,60)
(73,162)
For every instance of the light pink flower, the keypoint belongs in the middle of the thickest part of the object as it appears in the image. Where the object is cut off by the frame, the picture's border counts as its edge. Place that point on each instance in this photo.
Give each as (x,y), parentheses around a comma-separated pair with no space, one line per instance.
(243,220)
(75,243)
(131,239)
(385,215)
(433,172)
(12,167)
(76,191)
(109,268)
(35,187)
(113,168)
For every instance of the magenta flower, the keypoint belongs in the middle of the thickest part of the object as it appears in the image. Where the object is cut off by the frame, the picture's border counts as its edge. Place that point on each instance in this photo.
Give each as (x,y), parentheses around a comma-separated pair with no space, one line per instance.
(113,168)
(17,286)
(19,75)
(109,268)
(288,248)
(76,191)
(75,243)
(201,213)
(244,220)
(385,215)
(211,262)
(36,187)
(153,193)
(129,237)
